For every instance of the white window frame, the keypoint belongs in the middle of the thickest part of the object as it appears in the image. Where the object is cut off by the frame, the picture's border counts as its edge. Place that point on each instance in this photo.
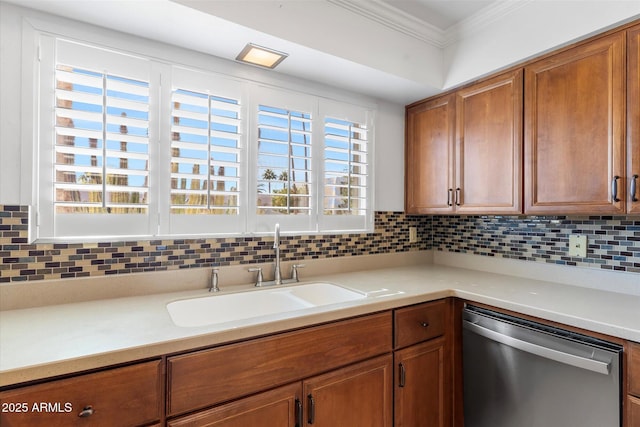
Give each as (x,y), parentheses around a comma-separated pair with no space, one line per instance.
(205,224)
(163,75)
(354,114)
(303,103)
(50,224)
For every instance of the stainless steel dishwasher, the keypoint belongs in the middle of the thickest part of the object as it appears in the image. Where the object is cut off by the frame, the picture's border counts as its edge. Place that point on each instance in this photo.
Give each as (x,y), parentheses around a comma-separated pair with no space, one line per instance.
(519,373)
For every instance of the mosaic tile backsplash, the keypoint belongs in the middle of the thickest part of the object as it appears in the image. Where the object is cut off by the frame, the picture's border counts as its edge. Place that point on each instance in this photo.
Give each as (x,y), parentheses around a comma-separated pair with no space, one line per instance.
(613,241)
(21,261)
(614,244)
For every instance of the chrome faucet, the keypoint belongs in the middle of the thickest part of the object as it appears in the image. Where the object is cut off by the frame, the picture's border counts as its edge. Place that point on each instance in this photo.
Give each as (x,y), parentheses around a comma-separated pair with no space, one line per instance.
(276,246)
(277,271)
(213,281)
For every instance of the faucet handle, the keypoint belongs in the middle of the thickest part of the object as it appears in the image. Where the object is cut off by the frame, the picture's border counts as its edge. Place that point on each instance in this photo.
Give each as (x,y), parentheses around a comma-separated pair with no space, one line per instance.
(259,271)
(213,281)
(294,271)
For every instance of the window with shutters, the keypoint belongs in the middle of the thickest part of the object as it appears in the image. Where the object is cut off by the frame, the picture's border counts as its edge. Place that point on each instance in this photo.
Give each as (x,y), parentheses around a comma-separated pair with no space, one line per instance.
(345,167)
(101,142)
(204,154)
(284,161)
(95,154)
(130,147)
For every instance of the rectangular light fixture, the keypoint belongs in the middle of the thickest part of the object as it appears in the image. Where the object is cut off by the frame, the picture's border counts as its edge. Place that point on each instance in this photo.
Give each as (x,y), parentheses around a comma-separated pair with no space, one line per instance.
(261,56)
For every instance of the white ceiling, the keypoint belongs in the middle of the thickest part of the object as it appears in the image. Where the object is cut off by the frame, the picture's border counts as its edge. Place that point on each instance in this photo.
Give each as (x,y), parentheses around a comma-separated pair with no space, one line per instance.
(388,49)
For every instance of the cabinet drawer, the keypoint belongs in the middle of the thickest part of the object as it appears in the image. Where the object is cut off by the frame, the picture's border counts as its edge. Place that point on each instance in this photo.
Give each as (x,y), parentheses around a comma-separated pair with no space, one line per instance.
(634,369)
(128,396)
(419,323)
(205,378)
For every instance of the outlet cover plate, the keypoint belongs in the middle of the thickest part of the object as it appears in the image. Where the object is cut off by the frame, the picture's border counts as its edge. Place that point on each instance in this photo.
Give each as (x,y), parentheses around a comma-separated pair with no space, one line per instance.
(413,234)
(578,245)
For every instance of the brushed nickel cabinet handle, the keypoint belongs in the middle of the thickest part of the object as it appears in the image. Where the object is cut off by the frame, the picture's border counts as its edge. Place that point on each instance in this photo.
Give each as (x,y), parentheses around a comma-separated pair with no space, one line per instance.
(632,190)
(449,193)
(458,196)
(614,188)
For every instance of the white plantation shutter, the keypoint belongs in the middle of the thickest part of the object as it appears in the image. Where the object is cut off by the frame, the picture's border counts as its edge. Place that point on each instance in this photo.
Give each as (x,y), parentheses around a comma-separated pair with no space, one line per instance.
(207,174)
(205,158)
(345,167)
(94,173)
(101,142)
(284,161)
(131,147)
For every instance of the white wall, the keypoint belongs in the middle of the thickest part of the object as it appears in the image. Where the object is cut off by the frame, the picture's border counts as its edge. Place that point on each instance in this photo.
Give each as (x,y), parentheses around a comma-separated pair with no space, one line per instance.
(16,120)
(526,31)
(10,85)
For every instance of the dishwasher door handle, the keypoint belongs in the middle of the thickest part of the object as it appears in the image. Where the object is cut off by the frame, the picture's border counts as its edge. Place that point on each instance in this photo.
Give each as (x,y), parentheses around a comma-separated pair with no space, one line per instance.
(548,353)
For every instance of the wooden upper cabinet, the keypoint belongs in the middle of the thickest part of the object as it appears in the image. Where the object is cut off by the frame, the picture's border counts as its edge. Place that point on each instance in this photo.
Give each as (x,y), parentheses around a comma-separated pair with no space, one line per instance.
(574,130)
(464,150)
(633,120)
(429,151)
(489,146)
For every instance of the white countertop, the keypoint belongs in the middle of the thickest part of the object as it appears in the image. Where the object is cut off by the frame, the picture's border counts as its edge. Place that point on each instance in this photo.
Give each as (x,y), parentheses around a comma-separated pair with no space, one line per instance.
(53,340)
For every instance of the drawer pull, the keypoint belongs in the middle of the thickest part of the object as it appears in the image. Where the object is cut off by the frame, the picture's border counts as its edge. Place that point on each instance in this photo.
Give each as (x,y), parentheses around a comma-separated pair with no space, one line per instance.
(312,409)
(402,374)
(424,324)
(87,411)
(298,413)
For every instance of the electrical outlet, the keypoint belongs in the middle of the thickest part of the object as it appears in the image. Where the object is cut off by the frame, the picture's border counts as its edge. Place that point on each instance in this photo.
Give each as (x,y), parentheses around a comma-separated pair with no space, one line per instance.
(578,245)
(413,234)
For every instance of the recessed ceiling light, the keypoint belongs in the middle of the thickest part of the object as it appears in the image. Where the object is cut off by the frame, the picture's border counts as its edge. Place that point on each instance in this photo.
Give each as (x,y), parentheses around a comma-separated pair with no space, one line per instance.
(261,56)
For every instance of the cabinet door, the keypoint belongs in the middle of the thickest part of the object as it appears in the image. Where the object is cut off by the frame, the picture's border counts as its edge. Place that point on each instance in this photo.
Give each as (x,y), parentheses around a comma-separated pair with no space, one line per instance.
(574,130)
(633,372)
(357,396)
(489,146)
(202,379)
(281,407)
(420,393)
(633,123)
(633,412)
(127,396)
(429,154)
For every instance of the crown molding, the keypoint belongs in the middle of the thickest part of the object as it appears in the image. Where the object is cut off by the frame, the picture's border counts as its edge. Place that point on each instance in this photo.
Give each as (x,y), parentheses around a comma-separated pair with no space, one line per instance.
(395,19)
(494,12)
(385,14)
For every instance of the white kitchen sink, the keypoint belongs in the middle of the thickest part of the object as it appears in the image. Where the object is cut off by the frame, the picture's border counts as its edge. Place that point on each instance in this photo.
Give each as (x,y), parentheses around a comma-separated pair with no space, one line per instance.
(224,308)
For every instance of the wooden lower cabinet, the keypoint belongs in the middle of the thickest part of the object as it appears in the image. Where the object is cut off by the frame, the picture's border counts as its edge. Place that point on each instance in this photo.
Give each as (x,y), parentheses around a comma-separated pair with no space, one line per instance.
(127,396)
(423,389)
(420,384)
(281,407)
(199,380)
(633,411)
(357,396)
(633,385)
